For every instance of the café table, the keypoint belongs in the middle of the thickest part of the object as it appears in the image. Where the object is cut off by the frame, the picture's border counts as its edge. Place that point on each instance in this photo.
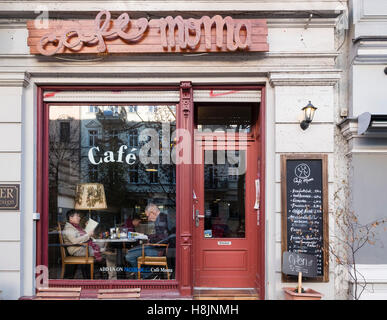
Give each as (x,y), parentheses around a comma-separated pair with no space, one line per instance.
(118,244)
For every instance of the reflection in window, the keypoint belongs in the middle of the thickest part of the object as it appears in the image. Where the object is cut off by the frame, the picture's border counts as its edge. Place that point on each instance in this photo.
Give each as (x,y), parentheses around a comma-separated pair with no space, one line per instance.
(153,174)
(224,194)
(133,174)
(133,138)
(93,138)
(65,132)
(93,173)
(93,109)
(132,108)
(103,147)
(221,117)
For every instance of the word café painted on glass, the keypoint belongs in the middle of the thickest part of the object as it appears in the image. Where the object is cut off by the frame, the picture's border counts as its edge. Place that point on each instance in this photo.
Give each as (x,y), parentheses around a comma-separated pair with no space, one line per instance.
(123,35)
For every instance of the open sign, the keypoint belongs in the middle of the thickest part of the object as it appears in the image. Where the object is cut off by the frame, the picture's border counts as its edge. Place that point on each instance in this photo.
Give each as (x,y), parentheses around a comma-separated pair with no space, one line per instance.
(293,263)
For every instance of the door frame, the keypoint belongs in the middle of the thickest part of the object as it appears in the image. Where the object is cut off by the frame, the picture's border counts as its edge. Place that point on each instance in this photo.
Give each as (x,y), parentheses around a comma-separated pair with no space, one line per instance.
(259,132)
(250,147)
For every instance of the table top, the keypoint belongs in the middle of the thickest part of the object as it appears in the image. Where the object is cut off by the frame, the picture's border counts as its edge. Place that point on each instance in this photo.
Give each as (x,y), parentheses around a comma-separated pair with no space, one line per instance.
(121,239)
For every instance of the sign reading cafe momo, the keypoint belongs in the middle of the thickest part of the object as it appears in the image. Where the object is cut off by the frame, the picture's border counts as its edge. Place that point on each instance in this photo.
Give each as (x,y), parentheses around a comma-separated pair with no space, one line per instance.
(170,34)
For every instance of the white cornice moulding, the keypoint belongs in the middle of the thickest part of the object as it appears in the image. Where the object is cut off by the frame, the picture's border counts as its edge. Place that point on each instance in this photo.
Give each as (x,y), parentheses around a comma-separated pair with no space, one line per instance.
(14,79)
(373,273)
(348,128)
(371,52)
(327,78)
(315,22)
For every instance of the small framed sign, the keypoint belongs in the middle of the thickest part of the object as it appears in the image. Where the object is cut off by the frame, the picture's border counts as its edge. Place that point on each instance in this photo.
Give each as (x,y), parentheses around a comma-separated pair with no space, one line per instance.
(293,263)
(304,192)
(9,197)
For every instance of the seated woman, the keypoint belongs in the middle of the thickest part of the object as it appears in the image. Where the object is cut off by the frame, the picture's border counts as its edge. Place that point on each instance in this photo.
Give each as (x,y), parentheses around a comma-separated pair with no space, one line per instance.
(74,234)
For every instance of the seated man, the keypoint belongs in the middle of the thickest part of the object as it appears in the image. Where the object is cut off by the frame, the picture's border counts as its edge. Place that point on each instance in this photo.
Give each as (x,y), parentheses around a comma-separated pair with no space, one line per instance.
(161,233)
(74,234)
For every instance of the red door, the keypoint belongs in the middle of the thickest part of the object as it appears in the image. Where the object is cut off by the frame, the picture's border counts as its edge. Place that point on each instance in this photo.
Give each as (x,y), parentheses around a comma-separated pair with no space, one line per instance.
(224,218)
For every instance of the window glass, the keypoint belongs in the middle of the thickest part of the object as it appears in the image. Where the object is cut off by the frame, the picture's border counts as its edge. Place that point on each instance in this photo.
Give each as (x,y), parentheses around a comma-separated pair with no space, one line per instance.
(111,171)
(224,194)
(64,132)
(214,117)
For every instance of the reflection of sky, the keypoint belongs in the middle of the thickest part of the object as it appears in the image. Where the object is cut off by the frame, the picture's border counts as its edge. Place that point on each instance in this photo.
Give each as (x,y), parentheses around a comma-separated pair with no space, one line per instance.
(158,113)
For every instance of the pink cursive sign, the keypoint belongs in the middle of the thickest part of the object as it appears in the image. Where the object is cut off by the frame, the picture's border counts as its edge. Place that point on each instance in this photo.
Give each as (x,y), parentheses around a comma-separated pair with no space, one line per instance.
(93,37)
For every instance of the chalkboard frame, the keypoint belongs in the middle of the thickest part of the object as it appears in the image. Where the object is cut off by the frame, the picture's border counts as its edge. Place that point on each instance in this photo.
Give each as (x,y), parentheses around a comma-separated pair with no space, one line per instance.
(325,210)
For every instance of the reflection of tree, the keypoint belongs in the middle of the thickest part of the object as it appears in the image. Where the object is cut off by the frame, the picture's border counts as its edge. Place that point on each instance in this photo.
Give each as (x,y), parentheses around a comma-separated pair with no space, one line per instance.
(114,175)
(63,162)
(165,172)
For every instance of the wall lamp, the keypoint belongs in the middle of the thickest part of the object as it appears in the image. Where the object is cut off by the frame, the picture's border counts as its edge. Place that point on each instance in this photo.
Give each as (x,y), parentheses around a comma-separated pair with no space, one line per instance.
(309,111)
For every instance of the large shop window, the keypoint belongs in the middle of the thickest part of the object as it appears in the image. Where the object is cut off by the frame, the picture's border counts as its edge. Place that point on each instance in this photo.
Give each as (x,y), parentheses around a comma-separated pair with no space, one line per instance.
(112,191)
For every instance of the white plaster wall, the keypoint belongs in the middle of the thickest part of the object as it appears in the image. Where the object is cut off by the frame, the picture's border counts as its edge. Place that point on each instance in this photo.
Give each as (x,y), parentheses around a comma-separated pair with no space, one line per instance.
(369,89)
(28,172)
(370,17)
(290,138)
(10,172)
(11,40)
(299,39)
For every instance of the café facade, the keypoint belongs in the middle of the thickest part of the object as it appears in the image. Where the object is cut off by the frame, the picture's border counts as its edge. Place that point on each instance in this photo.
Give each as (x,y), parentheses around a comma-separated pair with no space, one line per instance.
(197,109)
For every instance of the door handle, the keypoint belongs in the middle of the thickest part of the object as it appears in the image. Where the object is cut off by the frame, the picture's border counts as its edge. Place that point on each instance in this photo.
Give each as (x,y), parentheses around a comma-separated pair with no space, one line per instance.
(197,217)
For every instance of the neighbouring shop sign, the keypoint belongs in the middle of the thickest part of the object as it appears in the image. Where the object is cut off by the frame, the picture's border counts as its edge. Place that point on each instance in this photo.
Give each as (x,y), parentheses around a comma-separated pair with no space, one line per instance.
(171,34)
(304,189)
(9,196)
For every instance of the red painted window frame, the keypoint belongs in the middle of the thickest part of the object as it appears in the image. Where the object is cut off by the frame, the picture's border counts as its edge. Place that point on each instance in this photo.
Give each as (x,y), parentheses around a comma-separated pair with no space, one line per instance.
(259,130)
(42,148)
(42,187)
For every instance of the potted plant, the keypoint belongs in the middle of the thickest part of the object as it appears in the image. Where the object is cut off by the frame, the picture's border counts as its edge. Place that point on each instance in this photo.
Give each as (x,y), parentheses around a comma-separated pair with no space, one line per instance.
(299,293)
(308,294)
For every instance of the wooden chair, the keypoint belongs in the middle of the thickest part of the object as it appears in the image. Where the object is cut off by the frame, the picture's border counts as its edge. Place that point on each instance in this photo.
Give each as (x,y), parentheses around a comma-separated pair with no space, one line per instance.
(72,259)
(152,261)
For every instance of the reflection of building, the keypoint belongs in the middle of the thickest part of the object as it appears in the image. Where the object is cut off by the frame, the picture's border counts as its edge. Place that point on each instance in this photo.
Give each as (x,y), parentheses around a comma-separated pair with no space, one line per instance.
(224,185)
(108,128)
(64,155)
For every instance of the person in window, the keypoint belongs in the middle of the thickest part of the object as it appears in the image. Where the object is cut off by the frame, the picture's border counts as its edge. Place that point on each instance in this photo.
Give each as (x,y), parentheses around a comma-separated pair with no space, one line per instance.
(159,236)
(132,224)
(74,234)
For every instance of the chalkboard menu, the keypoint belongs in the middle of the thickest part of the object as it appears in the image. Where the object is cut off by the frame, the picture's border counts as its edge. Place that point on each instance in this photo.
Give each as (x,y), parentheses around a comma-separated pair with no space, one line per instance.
(305,209)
